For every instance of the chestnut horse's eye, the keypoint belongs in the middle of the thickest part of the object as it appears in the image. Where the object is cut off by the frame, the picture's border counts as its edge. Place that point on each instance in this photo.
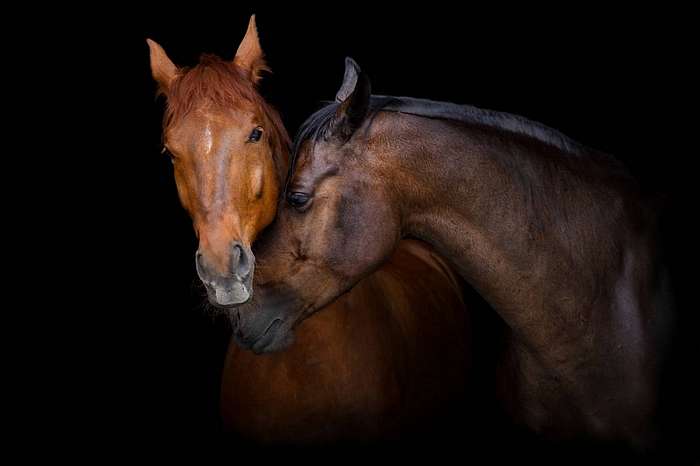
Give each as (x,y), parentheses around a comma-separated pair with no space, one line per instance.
(255,135)
(168,153)
(297,199)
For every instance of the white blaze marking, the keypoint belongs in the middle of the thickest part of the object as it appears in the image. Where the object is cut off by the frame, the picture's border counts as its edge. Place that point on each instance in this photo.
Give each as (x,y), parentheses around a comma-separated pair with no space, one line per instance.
(257,180)
(207,139)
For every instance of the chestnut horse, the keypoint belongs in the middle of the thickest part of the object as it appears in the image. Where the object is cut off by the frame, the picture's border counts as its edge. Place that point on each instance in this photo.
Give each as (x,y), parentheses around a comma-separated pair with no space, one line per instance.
(384,359)
(555,236)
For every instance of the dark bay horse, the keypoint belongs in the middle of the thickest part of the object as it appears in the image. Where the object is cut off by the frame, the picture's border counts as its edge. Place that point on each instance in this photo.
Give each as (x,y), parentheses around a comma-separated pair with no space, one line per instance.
(388,357)
(555,236)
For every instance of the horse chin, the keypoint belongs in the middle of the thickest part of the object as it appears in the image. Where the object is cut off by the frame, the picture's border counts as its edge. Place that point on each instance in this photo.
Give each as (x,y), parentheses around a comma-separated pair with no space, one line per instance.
(277,337)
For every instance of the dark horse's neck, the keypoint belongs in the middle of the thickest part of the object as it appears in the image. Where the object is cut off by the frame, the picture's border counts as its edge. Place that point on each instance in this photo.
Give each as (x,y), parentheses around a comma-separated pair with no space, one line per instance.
(514,212)
(555,236)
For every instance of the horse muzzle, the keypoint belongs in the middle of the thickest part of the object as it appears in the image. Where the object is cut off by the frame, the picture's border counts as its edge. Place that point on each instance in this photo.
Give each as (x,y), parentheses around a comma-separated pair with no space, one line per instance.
(261,332)
(233,293)
(232,284)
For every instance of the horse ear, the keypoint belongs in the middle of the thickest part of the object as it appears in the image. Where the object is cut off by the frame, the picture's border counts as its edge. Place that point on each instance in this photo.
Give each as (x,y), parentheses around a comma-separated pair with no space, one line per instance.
(162,68)
(249,55)
(354,97)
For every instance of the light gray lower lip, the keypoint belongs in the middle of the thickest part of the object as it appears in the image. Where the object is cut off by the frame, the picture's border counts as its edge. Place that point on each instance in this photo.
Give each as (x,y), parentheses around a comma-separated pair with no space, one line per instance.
(225,298)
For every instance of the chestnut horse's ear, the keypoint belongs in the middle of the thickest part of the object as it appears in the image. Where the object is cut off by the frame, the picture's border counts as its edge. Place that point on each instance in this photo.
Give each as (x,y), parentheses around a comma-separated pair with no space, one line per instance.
(249,55)
(354,98)
(162,68)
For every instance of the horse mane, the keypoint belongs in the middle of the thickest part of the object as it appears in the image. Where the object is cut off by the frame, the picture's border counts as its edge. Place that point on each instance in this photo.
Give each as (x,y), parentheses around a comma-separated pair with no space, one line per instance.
(221,84)
(316,125)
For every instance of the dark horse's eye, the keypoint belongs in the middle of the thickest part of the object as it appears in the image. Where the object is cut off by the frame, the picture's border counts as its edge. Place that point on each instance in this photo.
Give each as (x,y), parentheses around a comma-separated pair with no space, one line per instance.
(297,199)
(255,135)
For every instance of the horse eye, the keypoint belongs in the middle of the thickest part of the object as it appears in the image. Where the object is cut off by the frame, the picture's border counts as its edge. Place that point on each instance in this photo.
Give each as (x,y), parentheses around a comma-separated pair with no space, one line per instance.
(168,153)
(255,135)
(297,199)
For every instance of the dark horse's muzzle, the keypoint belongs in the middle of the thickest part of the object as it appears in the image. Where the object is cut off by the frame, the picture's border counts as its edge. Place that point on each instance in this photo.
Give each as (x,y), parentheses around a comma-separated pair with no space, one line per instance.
(261,330)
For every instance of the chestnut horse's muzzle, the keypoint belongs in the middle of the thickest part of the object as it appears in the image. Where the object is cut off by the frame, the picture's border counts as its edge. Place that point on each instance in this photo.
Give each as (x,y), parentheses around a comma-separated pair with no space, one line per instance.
(233,285)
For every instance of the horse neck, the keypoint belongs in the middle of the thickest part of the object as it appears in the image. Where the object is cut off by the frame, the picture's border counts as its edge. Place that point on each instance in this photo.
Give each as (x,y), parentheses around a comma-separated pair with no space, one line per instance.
(537,232)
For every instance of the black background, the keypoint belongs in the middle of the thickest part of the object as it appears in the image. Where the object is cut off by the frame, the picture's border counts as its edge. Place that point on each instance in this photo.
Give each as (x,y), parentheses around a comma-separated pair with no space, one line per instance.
(151,356)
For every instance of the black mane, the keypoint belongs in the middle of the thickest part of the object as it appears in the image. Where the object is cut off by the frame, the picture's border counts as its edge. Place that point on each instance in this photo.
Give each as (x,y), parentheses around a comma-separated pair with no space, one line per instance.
(315,126)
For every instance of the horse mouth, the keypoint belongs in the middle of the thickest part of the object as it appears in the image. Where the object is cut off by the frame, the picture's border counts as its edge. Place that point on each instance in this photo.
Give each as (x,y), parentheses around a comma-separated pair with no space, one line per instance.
(227,298)
(268,337)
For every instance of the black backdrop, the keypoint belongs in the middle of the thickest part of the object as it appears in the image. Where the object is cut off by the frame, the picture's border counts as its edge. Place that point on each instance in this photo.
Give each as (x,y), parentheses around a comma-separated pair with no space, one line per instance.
(612,80)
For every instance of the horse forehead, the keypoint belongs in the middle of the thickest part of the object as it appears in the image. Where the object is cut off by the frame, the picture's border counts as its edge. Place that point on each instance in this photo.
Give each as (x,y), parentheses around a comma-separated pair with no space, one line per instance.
(313,165)
(212,125)
(205,132)
(203,118)
(317,156)
(227,116)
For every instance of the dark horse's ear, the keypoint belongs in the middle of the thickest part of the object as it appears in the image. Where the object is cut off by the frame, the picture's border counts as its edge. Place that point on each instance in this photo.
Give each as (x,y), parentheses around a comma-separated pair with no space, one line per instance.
(354,98)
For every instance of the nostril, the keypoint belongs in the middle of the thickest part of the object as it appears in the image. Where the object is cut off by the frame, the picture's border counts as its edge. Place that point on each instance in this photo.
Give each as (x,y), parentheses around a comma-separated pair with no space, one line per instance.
(236,323)
(244,263)
(198,262)
(236,255)
(241,261)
